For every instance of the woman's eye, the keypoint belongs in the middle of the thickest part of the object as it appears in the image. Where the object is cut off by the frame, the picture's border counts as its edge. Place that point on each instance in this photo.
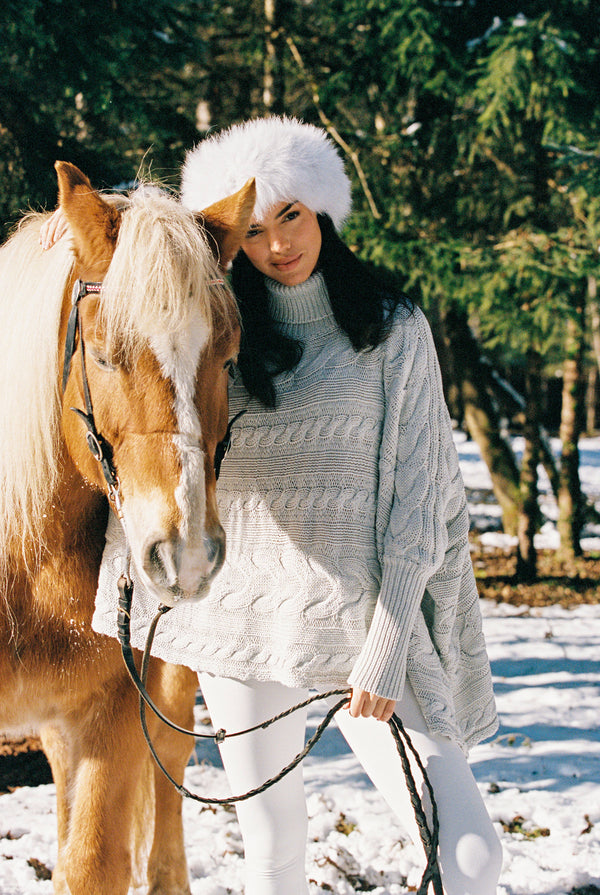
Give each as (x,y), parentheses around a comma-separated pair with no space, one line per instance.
(292,215)
(252,233)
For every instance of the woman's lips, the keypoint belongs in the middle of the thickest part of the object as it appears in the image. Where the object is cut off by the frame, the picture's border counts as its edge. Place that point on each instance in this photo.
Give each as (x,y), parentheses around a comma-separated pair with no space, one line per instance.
(287,265)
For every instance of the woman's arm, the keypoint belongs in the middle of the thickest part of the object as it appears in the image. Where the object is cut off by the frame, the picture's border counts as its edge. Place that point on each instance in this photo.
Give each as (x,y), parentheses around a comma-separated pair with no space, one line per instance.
(419,493)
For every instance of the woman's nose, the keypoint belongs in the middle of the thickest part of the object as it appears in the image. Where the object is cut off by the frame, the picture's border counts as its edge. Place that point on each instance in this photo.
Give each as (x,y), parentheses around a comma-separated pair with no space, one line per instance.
(279,243)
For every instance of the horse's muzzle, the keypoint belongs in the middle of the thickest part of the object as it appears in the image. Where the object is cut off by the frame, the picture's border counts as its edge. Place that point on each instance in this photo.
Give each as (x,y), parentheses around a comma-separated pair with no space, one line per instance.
(179,571)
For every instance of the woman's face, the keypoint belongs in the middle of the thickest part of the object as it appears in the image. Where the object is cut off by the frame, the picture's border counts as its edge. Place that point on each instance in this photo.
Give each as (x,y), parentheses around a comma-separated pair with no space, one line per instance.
(286,244)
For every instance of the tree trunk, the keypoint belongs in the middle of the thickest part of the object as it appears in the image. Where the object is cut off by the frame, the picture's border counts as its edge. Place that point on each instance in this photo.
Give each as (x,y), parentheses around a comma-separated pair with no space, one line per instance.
(591,398)
(480,416)
(593,308)
(517,403)
(450,376)
(570,501)
(529,511)
(273,79)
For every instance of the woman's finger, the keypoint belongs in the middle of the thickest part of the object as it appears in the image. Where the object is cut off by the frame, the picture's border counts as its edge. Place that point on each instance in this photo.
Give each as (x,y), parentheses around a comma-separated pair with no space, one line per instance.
(53,229)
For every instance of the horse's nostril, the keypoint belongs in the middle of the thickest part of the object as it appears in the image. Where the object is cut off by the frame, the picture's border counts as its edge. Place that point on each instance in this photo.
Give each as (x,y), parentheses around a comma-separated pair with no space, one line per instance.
(154,555)
(161,564)
(213,548)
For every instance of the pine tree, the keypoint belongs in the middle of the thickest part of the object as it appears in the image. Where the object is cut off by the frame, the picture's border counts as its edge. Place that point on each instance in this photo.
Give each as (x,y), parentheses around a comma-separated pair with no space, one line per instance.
(526,89)
(103,85)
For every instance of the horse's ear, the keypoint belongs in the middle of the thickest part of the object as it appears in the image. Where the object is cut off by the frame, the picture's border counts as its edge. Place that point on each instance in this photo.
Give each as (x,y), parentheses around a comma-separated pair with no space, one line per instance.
(227,222)
(94,223)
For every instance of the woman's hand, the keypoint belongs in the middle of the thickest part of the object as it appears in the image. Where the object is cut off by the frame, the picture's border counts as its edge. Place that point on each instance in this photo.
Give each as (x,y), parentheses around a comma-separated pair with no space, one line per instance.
(53,229)
(366,705)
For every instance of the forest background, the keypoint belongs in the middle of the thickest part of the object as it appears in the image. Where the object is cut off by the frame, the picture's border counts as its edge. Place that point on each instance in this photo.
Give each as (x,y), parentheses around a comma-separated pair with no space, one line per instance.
(470,129)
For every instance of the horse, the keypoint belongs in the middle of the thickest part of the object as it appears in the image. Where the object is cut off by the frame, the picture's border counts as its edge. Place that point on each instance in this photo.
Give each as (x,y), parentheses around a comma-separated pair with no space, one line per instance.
(155,340)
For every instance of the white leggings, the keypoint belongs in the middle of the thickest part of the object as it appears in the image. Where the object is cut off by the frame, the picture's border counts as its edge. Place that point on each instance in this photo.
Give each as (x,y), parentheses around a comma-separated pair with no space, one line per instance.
(274,823)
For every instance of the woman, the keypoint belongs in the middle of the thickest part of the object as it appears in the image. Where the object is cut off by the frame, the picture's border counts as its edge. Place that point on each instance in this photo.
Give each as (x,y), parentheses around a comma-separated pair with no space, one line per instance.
(347,528)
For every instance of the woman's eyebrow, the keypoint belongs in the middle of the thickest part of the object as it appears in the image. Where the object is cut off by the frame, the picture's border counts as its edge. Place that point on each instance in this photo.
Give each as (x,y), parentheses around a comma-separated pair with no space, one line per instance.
(286,209)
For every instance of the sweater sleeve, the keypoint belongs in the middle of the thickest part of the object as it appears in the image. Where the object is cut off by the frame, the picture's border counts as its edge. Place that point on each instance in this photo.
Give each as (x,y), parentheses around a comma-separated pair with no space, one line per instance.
(418,477)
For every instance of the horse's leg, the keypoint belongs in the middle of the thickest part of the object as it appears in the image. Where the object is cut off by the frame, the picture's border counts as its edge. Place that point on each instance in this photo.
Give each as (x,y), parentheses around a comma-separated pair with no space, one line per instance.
(109,752)
(57,753)
(174,690)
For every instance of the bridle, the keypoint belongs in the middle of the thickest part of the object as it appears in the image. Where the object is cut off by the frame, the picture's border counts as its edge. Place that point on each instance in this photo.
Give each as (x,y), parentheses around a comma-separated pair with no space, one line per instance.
(103,453)
(99,446)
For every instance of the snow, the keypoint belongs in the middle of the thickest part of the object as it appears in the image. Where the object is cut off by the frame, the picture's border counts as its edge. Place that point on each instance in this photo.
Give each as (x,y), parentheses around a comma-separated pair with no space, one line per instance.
(539,776)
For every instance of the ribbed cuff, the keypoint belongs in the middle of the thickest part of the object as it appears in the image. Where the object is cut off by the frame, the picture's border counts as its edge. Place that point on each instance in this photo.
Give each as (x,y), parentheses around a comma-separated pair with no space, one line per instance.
(381,665)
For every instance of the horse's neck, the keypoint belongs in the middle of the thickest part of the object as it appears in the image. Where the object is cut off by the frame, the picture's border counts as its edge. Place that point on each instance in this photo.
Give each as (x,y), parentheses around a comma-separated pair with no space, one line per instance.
(82,512)
(63,577)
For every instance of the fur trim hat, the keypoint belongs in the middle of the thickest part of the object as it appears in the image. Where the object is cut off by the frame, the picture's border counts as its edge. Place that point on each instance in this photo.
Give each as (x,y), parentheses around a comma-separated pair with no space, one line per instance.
(289,160)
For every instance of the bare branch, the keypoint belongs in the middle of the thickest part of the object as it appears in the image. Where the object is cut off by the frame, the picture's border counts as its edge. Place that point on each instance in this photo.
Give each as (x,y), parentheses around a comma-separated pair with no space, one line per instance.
(331,130)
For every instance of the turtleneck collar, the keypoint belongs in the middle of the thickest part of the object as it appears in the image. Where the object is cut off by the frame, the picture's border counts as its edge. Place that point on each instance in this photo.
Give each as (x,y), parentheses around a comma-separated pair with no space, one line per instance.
(306,303)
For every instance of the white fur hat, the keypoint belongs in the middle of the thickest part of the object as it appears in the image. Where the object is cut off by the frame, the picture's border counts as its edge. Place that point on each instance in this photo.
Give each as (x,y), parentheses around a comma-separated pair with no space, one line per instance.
(290,161)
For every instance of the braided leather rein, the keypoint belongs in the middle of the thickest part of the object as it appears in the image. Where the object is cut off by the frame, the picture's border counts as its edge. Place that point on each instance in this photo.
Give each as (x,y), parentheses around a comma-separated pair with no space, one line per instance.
(404,744)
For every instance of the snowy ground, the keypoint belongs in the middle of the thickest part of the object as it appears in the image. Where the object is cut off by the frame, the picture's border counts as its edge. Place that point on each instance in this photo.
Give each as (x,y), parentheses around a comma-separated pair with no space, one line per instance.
(540,776)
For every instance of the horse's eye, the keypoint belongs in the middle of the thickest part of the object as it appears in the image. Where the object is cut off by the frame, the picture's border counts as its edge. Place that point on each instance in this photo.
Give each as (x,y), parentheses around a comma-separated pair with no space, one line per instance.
(103,362)
(229,365)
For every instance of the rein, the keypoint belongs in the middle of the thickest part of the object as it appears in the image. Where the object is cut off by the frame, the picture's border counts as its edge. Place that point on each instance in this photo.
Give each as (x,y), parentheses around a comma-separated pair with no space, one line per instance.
(103,453)
(404,744)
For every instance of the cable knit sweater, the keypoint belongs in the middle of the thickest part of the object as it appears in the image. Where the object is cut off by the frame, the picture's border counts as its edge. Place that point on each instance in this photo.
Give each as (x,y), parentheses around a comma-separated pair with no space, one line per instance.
(347,532)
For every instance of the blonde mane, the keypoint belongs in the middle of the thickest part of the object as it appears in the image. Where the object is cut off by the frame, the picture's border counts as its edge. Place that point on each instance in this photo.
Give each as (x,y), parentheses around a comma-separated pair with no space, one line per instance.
(31,293)
(158,280)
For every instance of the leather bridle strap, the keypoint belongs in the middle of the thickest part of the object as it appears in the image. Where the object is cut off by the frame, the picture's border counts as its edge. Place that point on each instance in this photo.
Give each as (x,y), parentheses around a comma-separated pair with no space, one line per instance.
(223,446)
(78,292)
(99,446)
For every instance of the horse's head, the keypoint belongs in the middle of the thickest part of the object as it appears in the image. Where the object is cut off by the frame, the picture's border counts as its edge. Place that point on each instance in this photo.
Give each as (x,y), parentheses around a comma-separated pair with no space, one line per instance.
(159,340)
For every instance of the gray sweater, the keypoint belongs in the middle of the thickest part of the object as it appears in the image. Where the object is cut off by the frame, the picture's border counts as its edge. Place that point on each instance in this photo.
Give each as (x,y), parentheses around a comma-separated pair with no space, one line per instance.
(347,532)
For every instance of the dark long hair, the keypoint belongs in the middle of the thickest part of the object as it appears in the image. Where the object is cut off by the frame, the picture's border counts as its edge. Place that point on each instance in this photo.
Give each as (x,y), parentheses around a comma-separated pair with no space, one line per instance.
(361,302)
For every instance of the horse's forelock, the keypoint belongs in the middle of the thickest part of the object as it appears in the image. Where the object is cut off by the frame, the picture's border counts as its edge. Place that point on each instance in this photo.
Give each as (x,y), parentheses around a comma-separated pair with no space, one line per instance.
(162,276)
